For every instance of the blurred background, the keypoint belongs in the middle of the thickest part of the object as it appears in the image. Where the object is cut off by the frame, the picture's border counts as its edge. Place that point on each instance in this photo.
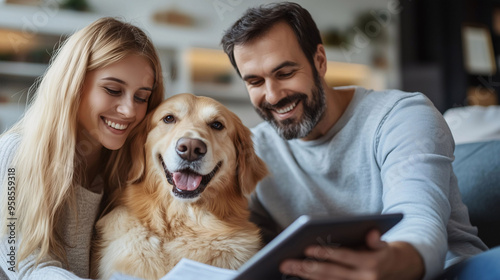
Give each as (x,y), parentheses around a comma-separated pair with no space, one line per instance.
(446,49)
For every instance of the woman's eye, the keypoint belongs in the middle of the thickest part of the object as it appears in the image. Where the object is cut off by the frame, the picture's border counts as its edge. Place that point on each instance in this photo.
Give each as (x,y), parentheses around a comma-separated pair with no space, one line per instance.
(217,125)
(111,91)
(140,100)
(169,119)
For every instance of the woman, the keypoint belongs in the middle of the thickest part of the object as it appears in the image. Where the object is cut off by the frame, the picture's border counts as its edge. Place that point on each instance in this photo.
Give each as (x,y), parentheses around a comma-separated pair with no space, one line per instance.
(62,161)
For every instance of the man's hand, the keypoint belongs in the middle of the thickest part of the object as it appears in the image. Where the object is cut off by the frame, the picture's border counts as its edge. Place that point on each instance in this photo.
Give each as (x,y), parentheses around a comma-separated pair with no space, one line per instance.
(382,260)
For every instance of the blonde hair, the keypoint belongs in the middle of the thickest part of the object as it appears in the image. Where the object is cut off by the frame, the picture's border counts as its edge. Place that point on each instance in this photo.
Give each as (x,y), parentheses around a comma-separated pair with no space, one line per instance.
(47,161)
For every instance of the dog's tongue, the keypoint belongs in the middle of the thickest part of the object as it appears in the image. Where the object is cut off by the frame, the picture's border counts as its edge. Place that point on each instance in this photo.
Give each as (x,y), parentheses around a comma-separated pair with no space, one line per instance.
(186,181)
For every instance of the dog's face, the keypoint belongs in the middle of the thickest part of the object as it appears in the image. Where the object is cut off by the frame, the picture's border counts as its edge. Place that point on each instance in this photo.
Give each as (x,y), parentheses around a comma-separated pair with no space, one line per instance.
(196,145)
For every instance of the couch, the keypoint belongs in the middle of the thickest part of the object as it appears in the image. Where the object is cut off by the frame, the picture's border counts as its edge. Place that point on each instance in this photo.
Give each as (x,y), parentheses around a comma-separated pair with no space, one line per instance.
(476,131)
(477,167)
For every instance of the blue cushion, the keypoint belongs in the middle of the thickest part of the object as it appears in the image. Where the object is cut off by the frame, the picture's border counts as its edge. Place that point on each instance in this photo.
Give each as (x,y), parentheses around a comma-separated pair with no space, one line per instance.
(484,266)
(477,167)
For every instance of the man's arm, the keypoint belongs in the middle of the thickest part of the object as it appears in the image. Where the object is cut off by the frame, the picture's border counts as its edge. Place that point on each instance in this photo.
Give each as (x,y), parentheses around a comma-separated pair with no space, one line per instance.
(415,154)
(413,150)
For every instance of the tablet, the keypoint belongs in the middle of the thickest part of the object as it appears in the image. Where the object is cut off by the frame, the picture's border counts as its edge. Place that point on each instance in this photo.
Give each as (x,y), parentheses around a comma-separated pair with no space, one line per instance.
(306,231)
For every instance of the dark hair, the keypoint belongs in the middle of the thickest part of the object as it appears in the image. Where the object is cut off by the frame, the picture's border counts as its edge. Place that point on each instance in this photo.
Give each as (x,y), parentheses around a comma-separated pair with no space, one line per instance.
(256,21)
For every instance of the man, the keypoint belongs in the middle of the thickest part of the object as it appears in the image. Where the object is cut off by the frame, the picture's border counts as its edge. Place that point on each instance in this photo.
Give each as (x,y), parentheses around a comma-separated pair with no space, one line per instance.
(346,151)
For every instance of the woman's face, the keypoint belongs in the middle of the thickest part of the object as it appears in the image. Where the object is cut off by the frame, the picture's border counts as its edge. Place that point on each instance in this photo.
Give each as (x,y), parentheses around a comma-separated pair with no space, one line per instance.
(114,100)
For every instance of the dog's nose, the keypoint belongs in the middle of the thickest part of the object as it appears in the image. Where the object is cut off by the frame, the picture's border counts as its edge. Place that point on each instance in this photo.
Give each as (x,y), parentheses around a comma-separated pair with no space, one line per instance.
(190,149)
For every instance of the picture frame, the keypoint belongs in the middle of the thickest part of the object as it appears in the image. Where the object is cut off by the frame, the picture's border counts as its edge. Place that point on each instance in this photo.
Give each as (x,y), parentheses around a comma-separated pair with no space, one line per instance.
(495,22)
(479,57)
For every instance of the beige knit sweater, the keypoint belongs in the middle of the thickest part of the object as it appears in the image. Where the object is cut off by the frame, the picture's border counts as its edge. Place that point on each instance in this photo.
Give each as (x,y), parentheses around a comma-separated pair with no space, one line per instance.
(76,232)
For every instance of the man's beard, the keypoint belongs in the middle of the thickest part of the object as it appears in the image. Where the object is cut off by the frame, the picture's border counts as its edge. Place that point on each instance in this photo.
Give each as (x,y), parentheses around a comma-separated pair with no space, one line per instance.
(292,127)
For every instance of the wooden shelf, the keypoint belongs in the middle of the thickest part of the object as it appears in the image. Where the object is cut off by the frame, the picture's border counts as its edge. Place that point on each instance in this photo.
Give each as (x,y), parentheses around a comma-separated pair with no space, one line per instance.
(56,21)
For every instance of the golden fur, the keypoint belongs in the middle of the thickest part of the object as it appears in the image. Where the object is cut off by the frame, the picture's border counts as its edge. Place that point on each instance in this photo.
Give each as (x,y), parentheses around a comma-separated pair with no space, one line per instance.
(153,227)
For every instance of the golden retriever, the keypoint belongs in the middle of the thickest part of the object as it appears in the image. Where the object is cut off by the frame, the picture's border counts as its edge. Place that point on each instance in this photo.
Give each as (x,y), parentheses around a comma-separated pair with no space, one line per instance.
(189,196)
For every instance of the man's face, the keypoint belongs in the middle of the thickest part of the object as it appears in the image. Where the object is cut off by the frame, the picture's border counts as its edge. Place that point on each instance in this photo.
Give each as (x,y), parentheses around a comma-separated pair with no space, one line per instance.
(284,89)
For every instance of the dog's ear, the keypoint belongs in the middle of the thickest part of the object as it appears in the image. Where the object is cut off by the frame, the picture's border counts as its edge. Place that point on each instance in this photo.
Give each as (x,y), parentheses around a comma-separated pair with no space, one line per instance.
(138,156)
(251,169)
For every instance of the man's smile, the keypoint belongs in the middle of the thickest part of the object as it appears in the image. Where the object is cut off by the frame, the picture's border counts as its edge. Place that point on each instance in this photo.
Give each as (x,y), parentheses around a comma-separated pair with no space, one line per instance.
(287,111)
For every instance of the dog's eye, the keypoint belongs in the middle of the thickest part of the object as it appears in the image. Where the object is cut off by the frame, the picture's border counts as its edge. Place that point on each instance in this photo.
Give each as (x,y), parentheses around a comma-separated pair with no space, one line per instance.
(217,125)
(169,119)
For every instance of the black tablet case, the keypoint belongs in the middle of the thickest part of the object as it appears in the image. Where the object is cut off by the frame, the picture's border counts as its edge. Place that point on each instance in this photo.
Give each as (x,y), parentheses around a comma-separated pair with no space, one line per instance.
(306,231)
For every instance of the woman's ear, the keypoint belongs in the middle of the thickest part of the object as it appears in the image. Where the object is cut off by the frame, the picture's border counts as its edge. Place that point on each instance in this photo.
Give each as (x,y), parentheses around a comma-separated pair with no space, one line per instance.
(251,169)
(138,156)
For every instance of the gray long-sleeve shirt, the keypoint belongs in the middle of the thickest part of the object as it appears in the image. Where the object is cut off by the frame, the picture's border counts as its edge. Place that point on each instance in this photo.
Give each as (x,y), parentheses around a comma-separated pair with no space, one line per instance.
(389,152)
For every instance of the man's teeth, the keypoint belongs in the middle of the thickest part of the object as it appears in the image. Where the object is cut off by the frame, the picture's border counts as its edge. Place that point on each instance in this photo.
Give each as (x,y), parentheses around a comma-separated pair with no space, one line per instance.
(286,109)
(116,125)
